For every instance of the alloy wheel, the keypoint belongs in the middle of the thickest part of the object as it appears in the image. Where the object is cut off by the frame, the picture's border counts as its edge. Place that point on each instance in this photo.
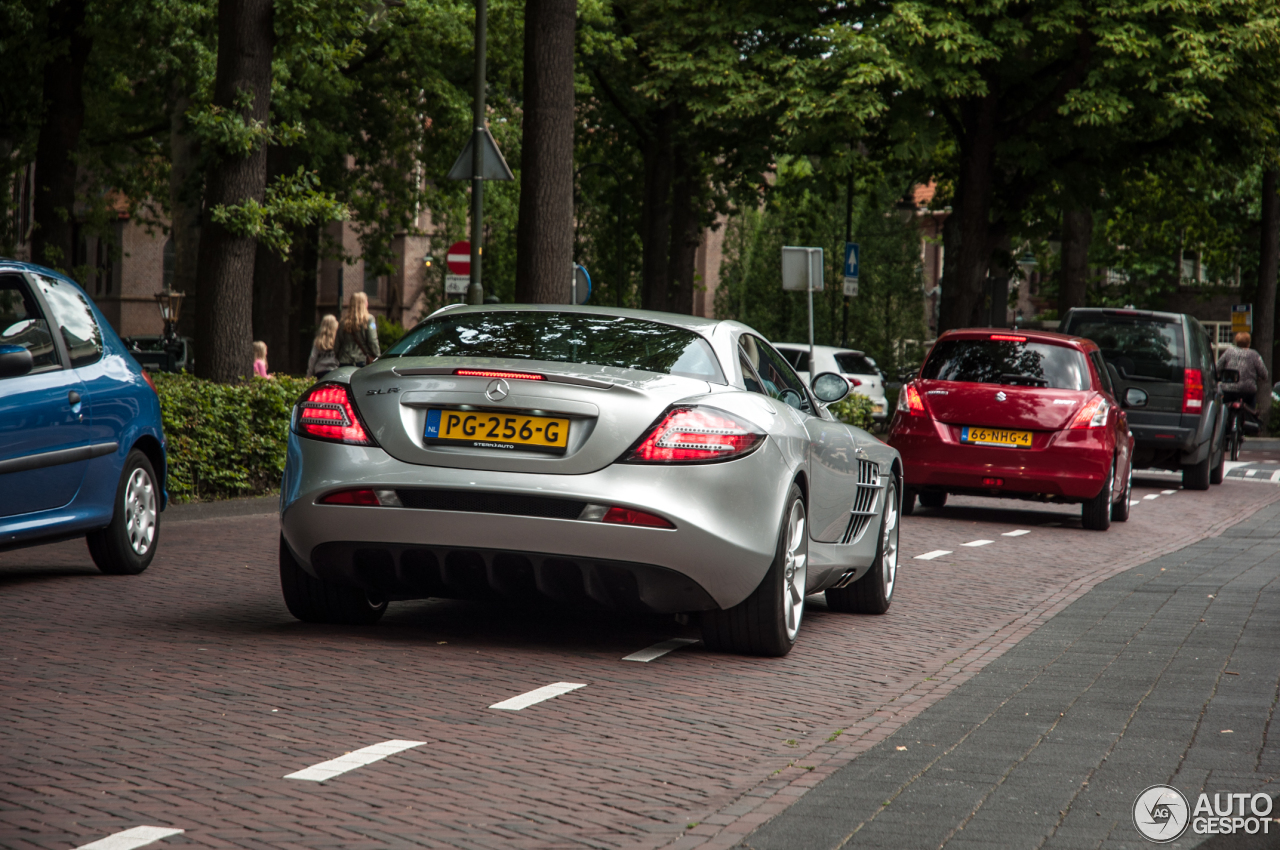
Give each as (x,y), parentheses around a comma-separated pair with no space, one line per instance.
(140,511)
(795,568)
(889,541)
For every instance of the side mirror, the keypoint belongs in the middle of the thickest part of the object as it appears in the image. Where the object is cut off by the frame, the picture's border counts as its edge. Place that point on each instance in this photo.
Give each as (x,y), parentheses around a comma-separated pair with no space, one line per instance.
(830,387)
(14,361)
(1135,397)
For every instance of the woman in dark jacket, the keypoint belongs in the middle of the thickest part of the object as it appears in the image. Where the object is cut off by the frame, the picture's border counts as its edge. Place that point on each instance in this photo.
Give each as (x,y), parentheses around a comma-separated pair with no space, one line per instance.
(357,342)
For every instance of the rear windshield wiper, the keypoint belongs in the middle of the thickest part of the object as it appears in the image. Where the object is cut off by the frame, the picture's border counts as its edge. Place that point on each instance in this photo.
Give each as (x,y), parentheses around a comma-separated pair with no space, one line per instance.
(1010,378)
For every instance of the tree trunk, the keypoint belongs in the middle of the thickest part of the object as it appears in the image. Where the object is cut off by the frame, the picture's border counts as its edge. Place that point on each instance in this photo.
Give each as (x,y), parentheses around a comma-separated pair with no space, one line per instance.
(224,289)
(685,234)
(1077,233)
(655,217)
(52,243)
(306,273)
(1264,317)
(544,233)
(184,208)
(966,263)
(272,285)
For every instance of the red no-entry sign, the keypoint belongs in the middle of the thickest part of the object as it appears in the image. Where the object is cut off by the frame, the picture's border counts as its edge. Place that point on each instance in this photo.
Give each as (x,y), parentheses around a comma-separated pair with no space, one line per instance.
(459,258)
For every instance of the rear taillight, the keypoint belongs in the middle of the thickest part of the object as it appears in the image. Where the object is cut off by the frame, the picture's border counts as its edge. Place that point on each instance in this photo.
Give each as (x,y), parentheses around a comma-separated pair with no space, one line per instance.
(362,496)
(325,412)
(146,377)
(909,401)
(499,373)
(854,382)
(1008,338)
(1192,391)
(1093,414)
(695,435)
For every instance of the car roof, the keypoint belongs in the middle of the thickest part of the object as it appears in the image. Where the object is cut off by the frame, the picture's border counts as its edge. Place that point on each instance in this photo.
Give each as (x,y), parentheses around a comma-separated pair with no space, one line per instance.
(1127,311)
(804,346)
(1051,337)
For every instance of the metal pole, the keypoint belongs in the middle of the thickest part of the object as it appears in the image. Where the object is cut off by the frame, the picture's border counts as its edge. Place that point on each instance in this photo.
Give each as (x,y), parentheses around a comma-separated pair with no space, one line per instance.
(342,267)
(618,238)
(810,277)
(475,291)
(848,237)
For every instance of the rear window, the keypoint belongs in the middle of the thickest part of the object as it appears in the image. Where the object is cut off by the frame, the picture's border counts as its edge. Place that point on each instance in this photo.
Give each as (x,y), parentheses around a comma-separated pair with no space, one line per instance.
(991,361)
(1140,347)
(855,364)
(619,341)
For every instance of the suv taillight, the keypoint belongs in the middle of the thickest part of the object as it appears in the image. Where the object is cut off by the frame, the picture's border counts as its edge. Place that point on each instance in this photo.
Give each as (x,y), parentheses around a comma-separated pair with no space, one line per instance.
(695,435)
(1192,391)
(325,412)
(909,401)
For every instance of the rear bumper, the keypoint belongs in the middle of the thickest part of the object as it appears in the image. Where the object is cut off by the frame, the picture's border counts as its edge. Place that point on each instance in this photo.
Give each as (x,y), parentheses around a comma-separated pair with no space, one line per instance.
(1071,465)
(726,515)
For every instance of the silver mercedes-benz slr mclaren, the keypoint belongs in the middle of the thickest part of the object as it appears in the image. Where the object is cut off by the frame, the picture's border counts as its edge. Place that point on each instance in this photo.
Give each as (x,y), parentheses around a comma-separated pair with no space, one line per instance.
(621,459)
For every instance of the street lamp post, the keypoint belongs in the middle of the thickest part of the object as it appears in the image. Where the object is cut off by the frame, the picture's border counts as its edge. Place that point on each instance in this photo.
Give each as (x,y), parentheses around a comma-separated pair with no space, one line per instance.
(170,304)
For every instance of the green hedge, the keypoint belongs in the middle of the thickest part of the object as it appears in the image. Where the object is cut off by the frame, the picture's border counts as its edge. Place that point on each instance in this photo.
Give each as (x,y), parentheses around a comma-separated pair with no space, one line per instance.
(854,410)
(226,440)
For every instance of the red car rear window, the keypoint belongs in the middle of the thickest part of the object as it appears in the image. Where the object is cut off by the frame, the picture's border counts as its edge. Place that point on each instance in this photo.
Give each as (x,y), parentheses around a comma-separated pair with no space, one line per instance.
(991,361)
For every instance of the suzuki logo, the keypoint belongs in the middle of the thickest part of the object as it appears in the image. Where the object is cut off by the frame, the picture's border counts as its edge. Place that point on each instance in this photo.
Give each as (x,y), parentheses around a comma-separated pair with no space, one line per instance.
(1000,396)
(497,390)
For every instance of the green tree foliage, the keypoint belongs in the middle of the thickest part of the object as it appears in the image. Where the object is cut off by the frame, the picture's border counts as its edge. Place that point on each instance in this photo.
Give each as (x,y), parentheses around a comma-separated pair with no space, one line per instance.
(807,207)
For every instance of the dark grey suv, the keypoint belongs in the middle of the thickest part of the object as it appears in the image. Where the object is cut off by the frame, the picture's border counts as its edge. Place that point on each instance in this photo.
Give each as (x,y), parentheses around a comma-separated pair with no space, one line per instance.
(1164,375)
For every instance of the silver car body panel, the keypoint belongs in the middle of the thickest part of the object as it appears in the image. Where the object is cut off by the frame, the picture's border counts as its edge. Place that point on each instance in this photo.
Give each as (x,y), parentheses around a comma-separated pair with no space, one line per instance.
(727,514)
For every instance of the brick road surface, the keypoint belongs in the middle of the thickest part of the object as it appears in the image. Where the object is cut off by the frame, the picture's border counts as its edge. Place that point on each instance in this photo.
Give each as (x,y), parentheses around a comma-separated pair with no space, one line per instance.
(183,696)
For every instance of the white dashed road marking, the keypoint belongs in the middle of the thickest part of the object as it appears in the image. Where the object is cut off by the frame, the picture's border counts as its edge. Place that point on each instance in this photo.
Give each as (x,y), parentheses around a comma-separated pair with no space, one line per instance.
(977,543)
(936,553)
(357,758)
(1135,501)
(1249,473)
(1018,533)
(659,649)
(1152,496)
(536,696)
(1275,476)
(139,836)
(1168,492)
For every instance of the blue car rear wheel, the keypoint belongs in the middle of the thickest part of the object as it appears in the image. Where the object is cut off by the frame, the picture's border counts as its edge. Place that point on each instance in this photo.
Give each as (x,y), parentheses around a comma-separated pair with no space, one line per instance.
(127,545)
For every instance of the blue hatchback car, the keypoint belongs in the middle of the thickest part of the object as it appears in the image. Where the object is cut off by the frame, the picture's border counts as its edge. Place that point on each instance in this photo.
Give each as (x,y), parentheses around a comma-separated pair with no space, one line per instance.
(82,451)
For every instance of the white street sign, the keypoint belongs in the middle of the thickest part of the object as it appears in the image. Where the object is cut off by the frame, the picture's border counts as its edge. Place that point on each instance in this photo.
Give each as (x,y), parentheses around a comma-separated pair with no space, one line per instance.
(851,287)
(456,284)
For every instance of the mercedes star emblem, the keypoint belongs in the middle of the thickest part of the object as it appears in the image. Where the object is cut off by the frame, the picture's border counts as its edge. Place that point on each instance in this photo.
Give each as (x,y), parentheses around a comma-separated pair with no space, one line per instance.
(497,390)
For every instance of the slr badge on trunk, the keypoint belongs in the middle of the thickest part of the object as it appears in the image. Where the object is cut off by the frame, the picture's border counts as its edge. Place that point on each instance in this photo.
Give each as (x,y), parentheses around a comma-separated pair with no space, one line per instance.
(1000,396)
(497,390)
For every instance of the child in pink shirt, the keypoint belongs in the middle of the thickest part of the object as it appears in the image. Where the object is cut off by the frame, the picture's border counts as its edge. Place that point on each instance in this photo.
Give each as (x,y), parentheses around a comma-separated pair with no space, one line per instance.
(260,359)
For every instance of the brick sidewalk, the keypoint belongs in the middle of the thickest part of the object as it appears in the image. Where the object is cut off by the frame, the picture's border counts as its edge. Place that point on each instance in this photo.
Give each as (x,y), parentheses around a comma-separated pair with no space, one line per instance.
(183,696)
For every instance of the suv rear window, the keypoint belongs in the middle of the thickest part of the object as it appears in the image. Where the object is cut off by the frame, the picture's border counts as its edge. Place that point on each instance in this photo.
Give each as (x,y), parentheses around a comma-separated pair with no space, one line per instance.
(1140,347)
(855,364)
(597,340)
(992,361)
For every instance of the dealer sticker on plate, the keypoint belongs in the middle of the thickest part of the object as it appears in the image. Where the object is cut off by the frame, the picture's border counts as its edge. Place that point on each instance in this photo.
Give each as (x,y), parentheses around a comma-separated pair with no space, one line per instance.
(477,429)
(995,437)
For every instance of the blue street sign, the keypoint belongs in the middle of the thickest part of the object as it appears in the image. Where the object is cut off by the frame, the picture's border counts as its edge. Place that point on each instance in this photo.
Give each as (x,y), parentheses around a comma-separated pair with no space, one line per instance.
(851,251)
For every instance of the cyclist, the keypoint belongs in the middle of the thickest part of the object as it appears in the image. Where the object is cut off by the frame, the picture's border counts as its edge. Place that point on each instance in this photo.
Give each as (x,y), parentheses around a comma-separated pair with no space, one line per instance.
(1249,369)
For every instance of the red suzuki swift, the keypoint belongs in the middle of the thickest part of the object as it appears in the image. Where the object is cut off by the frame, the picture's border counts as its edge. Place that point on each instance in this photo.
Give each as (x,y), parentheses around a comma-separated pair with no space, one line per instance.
(1025,415)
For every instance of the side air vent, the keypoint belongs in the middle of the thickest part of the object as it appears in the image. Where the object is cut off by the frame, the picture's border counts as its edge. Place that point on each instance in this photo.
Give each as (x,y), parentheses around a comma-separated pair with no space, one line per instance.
(864,503)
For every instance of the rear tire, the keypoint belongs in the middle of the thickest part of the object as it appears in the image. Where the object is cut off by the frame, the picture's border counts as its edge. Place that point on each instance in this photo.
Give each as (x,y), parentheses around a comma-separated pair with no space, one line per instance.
(768,621)
(1196,476)
(314,601)
(127,545)
(873,593)
(1095,514)
(1120,510)
(933,499)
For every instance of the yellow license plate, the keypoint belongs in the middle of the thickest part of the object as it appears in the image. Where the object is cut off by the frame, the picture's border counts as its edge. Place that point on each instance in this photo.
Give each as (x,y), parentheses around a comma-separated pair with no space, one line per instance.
(497,430)
(995,437)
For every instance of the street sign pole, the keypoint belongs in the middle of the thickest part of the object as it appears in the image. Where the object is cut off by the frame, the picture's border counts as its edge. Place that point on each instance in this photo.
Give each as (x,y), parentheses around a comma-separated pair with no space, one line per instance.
(475,292)
(802,269)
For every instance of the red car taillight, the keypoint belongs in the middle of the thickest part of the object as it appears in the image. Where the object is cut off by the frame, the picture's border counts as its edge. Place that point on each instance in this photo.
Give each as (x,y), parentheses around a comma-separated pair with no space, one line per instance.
(909,401)
(1093,414)
(146,377)
(627,516)
(1192,391)
(499,373)
(325,412)
(693,435)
